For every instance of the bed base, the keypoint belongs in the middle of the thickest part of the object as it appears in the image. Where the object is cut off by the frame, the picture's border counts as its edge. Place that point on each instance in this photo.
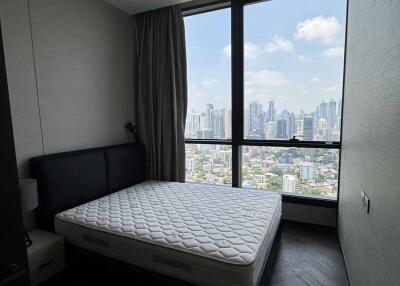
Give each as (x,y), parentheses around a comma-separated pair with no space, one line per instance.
(96,269)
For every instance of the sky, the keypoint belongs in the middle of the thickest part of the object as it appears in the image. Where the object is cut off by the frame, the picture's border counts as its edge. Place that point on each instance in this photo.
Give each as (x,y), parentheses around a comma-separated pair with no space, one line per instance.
(293,54)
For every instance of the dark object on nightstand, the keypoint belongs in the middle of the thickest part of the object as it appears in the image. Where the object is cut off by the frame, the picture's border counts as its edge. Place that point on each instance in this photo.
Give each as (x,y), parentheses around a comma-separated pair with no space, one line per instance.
(29,200)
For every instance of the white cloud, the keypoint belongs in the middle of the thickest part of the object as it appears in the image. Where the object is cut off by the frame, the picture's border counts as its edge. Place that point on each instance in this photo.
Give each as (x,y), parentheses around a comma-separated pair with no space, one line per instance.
(265,78)
(334,52)
(228,51)
(301,57)
(323,29)
(314,79)
(209,81)
(278,44)
(330,89)
(253,51)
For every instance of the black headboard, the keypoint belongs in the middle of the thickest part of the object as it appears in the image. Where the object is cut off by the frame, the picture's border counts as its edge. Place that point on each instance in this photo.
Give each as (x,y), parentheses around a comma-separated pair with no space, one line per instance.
(68,179)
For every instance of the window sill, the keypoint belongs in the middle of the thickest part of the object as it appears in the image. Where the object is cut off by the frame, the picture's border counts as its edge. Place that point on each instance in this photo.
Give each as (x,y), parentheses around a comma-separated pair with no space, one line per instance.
(310,201)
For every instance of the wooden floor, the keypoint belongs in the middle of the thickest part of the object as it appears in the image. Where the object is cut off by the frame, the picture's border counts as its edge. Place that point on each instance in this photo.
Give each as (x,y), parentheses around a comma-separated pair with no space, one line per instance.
(308,255)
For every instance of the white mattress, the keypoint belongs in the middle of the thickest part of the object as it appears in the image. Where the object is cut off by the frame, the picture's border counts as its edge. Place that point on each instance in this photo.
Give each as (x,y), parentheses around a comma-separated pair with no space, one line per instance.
(205,234)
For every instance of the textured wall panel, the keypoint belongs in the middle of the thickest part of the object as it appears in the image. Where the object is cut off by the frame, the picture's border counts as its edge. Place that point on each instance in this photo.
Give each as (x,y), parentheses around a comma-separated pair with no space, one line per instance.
(14,15)
(84,65)
(371,137)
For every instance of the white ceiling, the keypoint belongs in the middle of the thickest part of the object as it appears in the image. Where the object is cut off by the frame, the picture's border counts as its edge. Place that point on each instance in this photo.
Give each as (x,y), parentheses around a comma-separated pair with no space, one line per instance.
(138,6)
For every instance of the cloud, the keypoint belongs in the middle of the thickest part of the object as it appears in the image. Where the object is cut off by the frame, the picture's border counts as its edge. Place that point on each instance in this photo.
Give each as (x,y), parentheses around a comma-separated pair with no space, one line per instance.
(209,81)
(254,51)
(337,51)
(330,89)
(228,50)
(314,79)
(278,44)
(251,51)
(322,29)
(301,57)
(265,78)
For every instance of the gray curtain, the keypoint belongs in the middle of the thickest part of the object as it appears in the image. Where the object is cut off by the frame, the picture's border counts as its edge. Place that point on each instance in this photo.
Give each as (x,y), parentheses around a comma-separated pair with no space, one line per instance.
(162,92)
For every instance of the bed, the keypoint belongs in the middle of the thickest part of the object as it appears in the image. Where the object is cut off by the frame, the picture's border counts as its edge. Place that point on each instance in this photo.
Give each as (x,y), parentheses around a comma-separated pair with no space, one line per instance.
(203,234)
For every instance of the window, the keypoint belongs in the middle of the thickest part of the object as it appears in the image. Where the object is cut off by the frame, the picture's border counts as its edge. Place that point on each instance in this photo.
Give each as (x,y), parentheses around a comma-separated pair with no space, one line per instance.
(209,76)
(276,125)
(293,58)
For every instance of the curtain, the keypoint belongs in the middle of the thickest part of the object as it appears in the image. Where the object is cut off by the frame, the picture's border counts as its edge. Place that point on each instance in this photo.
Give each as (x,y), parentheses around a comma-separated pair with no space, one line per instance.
(161,93)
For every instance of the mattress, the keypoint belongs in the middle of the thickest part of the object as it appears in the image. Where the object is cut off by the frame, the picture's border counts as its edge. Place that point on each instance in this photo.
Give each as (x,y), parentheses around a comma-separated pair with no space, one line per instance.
(204,234)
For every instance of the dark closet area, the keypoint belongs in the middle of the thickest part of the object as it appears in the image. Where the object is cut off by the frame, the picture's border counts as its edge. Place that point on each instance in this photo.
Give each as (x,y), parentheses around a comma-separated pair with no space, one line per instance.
(13,261)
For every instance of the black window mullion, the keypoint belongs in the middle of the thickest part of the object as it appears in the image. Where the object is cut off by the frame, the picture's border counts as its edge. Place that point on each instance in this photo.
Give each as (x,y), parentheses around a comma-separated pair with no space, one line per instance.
(237,87)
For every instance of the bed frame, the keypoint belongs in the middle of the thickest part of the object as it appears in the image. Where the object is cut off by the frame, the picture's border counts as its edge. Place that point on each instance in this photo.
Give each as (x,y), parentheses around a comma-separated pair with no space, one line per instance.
(66,180)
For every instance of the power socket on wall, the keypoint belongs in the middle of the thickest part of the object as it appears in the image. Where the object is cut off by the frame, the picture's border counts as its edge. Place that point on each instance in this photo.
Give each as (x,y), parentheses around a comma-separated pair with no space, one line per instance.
(365,201)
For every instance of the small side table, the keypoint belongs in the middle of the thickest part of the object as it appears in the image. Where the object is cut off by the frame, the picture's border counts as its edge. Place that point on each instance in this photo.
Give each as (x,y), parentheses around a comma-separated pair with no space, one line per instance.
(45,256)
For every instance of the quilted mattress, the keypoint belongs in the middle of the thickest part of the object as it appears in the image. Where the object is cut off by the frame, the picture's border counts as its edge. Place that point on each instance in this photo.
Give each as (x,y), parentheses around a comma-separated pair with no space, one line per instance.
(205,234)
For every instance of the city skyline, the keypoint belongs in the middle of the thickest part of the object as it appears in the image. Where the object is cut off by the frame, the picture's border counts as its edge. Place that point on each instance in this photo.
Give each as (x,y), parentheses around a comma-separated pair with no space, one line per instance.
(322,124)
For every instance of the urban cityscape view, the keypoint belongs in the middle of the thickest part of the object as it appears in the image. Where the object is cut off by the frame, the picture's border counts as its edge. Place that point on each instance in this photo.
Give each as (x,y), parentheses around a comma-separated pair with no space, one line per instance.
(307,171)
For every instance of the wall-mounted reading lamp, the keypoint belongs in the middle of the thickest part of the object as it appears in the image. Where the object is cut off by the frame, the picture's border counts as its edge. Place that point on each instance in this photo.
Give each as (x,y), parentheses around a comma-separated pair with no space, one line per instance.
(132,129)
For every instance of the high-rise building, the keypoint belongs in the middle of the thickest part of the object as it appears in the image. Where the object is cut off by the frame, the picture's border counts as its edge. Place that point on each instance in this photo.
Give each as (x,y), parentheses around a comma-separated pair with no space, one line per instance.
(308,128)
(270,130)
(307,171)
(323,110)
(290,184)
(246,123)
(291,125)
(228,123)
(220,124)
(210,117)
(255,110)
(331,114)
(271,114)
(281,129)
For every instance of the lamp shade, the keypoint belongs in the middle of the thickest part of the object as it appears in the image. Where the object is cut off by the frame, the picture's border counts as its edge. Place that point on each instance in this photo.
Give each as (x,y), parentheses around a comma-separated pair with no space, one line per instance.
(28,192)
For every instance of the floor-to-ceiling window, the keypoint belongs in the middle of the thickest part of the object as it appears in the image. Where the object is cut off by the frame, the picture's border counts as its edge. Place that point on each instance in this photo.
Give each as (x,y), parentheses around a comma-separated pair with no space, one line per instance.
(265,95)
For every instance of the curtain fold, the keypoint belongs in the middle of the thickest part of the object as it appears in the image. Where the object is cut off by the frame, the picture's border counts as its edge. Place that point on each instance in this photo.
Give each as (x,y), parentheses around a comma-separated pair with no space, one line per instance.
(161,103)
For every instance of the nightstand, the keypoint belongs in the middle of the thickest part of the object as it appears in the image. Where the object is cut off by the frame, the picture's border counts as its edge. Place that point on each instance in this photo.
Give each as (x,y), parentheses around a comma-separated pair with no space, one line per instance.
(45,255)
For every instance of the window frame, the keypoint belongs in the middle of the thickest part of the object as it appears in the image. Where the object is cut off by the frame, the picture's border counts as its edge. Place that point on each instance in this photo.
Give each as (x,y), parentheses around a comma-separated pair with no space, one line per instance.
(237,100)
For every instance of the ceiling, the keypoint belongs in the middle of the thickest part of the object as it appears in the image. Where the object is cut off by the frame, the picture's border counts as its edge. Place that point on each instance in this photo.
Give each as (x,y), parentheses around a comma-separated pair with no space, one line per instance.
(138,6)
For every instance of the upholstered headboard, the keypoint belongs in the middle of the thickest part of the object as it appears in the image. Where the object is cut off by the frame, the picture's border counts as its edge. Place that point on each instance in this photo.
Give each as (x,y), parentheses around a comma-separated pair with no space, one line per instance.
(68,179)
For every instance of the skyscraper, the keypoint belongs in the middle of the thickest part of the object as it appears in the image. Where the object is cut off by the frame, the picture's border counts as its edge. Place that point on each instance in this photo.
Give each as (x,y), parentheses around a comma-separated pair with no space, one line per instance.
(308,128)
(271,114)
(291,125)
(255,109)
(228,123)
(220,123)
(332,114)
(270,130)
(323,110)
(210,117)
(281,129)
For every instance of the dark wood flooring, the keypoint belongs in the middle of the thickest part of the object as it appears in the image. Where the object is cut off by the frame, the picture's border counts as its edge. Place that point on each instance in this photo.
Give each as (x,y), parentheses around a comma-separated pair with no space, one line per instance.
(308,255)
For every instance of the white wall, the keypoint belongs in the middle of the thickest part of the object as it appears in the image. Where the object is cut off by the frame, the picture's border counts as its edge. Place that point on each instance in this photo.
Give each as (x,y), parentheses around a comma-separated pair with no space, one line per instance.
(371,137)
(81,52)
